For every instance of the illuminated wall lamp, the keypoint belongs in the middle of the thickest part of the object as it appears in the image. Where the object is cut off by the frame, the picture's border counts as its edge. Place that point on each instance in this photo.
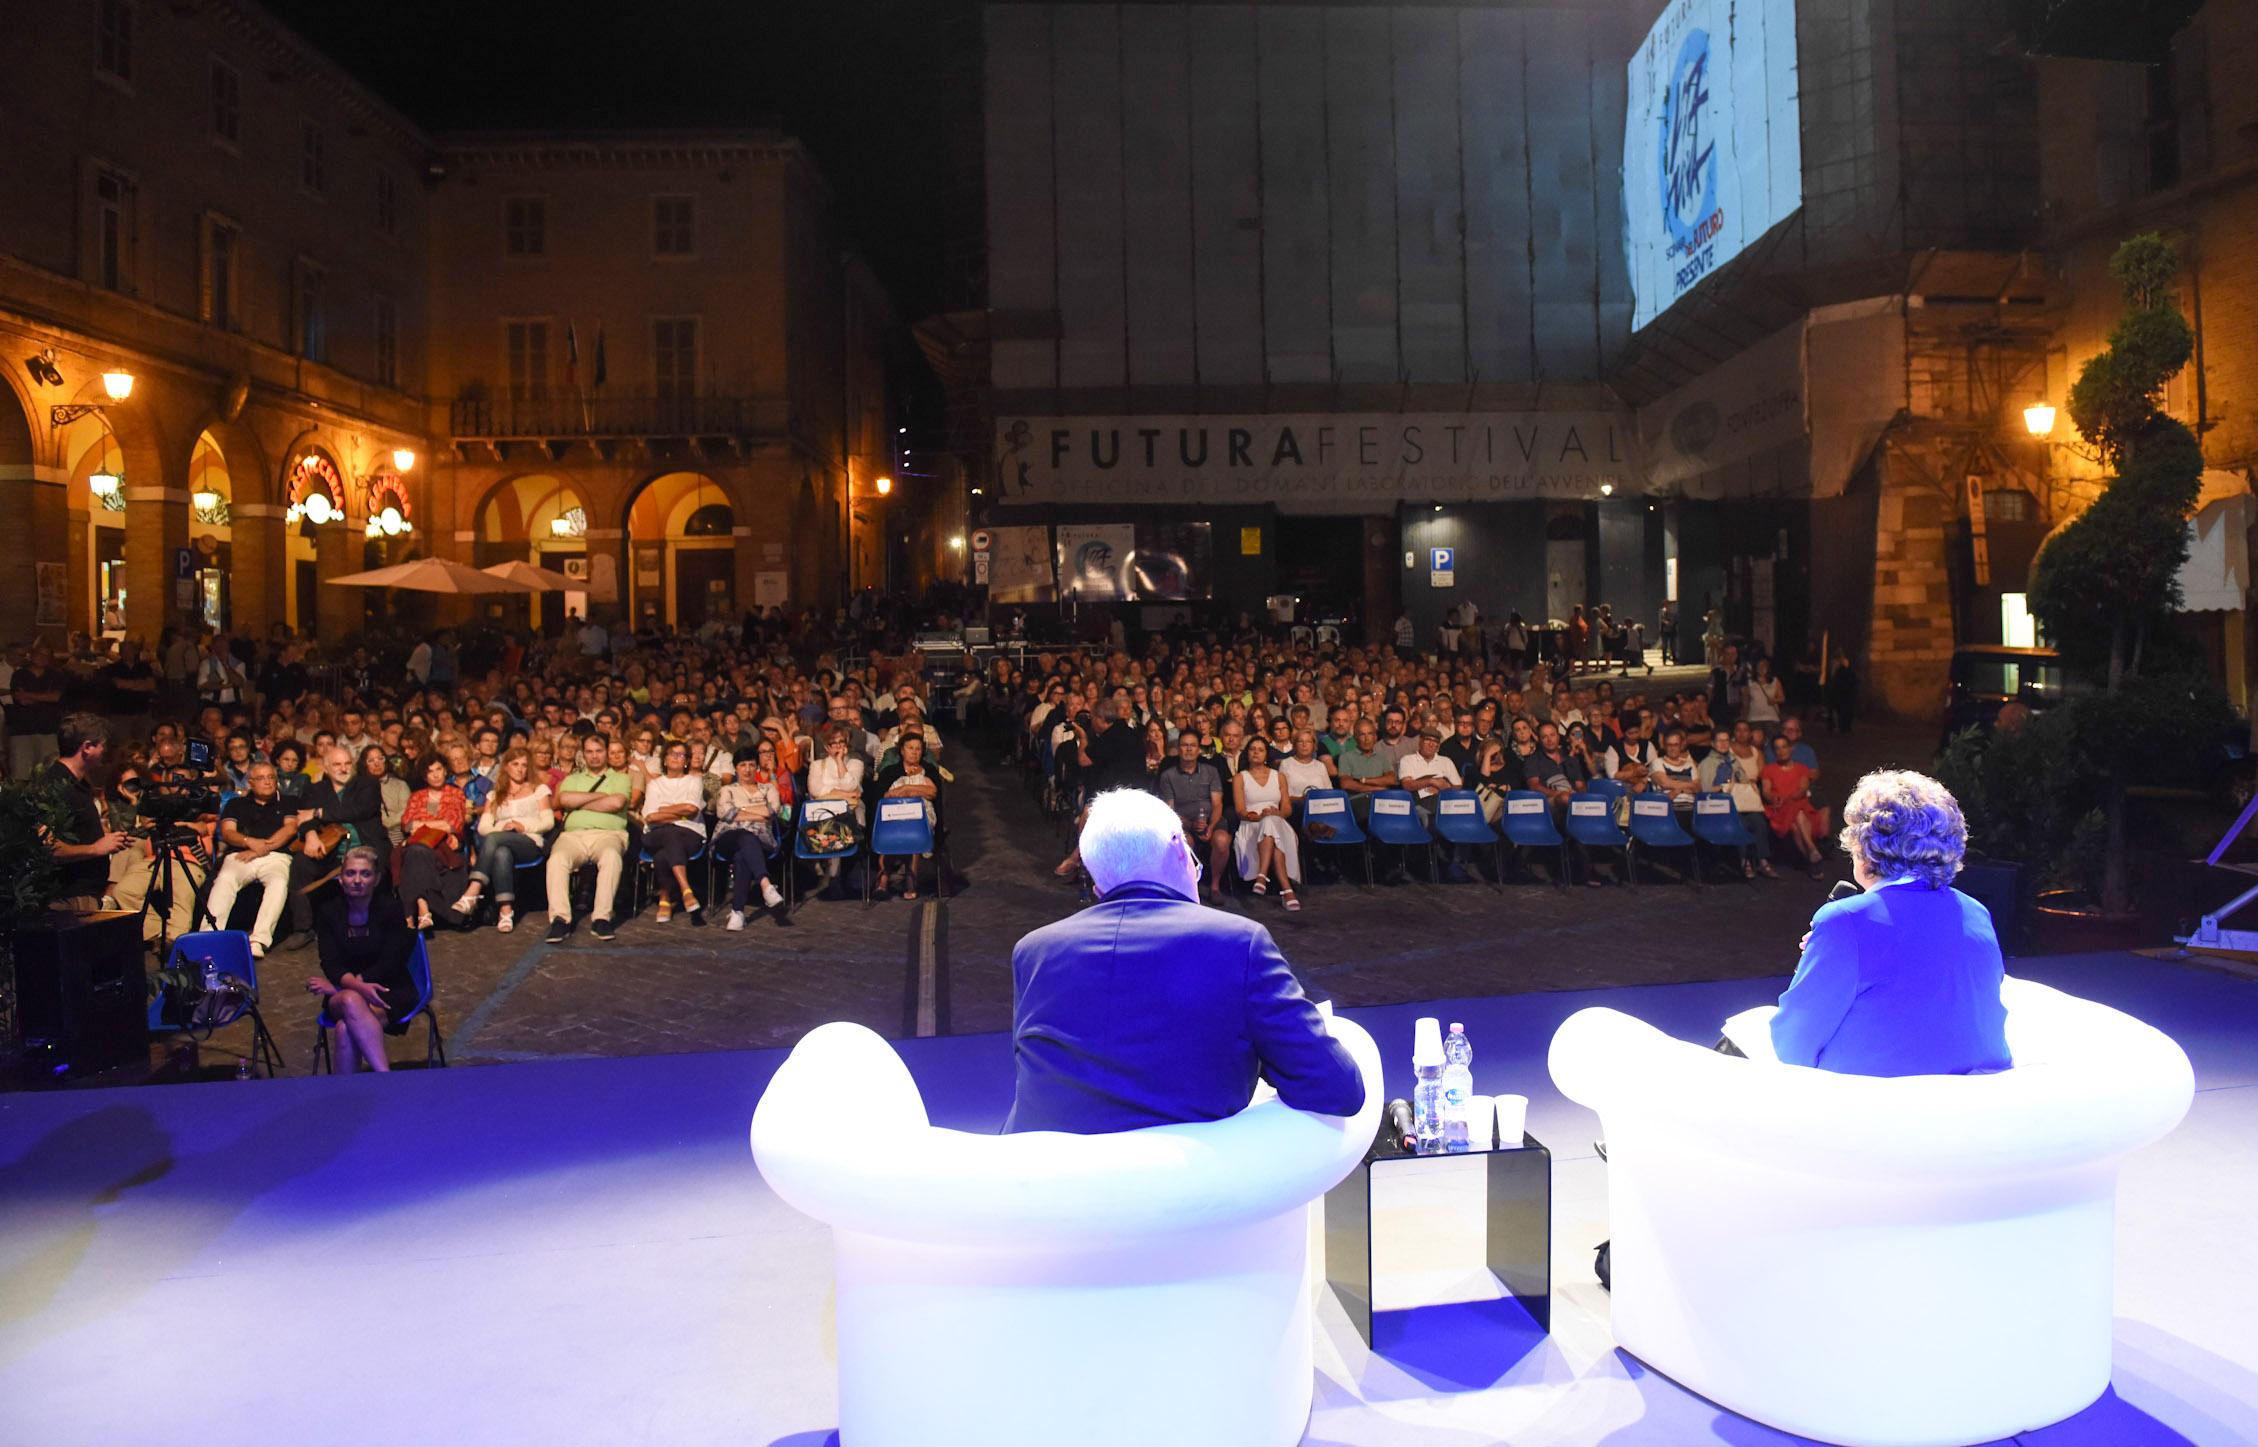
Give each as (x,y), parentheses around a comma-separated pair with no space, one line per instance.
(403,459)
(885,485)
(117,385)
(2038,419)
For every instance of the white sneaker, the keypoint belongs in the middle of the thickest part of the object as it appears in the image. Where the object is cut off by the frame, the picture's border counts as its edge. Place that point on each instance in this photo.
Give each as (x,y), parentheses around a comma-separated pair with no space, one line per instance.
(770,895)
(736,919)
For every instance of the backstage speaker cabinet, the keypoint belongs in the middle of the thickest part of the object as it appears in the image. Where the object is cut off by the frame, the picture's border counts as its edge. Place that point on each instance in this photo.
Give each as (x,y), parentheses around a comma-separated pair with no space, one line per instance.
(81,1000)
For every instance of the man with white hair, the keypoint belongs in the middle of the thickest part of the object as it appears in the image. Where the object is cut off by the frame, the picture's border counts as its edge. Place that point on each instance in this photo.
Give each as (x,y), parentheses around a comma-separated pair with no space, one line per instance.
(1149,1008)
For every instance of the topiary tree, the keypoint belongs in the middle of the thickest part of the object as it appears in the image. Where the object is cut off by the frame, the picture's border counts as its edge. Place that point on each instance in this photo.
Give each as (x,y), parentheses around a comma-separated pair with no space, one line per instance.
(2110,578)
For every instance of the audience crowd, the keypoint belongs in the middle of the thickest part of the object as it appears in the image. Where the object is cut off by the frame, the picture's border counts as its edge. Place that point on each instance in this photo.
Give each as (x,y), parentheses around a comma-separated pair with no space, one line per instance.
(467,765)
(1234,734)
(473,766)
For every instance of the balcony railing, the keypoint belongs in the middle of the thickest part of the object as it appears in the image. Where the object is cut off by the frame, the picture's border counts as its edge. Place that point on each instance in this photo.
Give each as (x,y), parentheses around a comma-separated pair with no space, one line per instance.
(613,415)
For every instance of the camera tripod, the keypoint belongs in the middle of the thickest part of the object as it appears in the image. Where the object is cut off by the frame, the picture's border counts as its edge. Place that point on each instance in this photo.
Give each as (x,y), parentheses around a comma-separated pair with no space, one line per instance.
(172,850)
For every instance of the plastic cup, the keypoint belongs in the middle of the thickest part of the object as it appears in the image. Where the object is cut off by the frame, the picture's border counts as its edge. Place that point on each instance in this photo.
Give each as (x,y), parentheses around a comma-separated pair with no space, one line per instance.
(1512,1119)
(1481,1123)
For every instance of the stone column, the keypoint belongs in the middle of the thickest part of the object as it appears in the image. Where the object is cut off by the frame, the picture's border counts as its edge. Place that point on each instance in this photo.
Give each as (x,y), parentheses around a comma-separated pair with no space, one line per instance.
(258,557)
(35,502)
(1383,577)
(156,530)
(337,611)
(609,545)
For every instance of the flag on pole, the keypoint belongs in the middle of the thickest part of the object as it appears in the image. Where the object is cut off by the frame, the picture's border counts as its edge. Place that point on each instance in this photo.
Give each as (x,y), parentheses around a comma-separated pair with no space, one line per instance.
(572,357)
(599,369)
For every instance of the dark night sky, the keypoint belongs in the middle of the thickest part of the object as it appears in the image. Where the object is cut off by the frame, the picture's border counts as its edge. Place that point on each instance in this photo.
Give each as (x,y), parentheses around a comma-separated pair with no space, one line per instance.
(857,80)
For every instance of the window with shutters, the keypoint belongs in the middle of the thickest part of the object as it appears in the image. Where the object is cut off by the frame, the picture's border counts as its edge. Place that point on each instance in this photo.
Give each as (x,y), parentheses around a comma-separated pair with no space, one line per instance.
(311,308)
(113,39)
(674,230)
(223,249)
(525,344)
(387,322)
(313,160)
(115,229)
(674,365)
(525,226)
(227,104)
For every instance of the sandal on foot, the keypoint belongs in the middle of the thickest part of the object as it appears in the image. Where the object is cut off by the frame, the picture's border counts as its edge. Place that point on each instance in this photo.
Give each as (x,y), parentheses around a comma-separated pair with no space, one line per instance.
(1262,886)
(423,920)
(1292,902)
(664,913)
(506,921)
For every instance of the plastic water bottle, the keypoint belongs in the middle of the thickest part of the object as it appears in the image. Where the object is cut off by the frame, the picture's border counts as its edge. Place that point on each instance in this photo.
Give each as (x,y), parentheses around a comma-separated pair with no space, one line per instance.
(1458,1089)
(1427,1092)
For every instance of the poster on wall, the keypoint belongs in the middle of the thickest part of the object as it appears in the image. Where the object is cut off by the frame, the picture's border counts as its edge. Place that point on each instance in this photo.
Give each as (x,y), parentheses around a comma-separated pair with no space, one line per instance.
(603,578)
(1712,155)
(650,565)
(1172,563)
(52,583)
(1019,566)
(1136,562)
(1093,559)
(771,587)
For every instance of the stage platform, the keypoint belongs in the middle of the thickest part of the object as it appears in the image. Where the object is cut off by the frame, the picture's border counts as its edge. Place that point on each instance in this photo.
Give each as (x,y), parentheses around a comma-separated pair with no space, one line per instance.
(581,1252)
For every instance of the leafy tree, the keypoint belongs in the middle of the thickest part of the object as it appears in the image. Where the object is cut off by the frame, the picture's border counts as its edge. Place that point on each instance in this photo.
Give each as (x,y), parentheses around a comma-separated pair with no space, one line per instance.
(2109,579)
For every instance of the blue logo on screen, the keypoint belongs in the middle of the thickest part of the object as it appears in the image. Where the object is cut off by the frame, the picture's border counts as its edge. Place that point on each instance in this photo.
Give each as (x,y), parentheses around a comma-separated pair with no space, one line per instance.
(1689,161)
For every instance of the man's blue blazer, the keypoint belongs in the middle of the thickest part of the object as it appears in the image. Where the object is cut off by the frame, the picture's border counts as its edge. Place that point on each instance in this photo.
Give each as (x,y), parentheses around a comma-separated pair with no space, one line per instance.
(1147,1008)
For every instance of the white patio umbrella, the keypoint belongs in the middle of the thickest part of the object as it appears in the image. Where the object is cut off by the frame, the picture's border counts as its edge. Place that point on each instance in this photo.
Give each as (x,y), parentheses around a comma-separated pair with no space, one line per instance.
(433,575)
(545,580)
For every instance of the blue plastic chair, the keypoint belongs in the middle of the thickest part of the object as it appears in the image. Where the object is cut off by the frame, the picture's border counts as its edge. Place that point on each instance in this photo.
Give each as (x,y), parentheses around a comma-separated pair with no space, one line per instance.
(645,864)
(1608,789)
(900,827)
(1330,807)
(813,810)
(1527,824)
(1654,825)
(228,951)
(1718,824)
(434,1045)
(1591,825)
(1458,820)
(1394,819)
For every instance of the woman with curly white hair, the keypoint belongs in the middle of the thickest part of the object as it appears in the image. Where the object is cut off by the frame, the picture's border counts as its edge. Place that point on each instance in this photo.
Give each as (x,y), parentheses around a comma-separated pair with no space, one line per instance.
(1902,979)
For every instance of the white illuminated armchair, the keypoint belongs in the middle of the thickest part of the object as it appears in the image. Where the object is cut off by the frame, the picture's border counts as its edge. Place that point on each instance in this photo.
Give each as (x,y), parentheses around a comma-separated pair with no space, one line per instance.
(1129,1290)
(1904,1262)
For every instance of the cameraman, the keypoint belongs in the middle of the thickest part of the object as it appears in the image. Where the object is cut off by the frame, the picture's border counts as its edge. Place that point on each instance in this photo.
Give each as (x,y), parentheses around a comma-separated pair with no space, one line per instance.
(84,842)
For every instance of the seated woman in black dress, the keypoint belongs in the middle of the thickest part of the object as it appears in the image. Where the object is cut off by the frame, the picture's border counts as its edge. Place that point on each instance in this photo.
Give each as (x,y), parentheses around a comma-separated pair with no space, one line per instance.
(365,944)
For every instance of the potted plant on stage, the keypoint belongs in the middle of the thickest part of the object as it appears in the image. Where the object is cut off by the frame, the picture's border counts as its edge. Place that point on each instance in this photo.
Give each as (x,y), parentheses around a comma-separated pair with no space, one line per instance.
(28,880)
(2142,711)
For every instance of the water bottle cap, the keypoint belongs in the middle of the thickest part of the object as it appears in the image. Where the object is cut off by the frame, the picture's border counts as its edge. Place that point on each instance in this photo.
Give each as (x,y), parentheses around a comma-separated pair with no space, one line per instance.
(1456,1028)
(1426,1041)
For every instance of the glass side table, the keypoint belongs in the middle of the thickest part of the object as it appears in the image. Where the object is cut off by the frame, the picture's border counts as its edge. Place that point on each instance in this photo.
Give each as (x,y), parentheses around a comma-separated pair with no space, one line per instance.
(1518,1228)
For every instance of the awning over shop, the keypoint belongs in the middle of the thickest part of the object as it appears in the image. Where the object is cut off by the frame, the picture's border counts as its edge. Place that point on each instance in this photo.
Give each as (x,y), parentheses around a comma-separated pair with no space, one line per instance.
(2216,576)
(1795,415)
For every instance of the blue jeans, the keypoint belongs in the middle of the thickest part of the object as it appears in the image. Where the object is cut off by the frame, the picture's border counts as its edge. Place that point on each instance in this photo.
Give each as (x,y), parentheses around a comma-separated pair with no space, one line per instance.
(499,854)
(747,858)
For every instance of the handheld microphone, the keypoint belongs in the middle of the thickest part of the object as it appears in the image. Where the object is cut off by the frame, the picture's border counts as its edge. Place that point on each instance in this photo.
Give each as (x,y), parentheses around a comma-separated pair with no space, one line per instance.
(1844,889)
(1398,1135)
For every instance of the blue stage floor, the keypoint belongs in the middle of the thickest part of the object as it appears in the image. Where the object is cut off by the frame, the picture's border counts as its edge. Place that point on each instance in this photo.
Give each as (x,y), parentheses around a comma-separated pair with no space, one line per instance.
(581,1252)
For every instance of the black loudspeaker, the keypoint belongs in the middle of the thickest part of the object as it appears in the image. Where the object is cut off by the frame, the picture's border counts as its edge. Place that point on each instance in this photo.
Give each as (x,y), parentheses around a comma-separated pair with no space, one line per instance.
(1997,887)
(81,999)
